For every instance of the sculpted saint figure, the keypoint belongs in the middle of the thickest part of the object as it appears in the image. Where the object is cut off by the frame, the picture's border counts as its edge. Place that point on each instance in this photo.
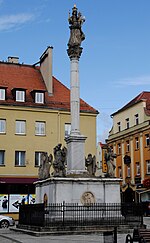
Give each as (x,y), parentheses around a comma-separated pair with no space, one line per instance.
(45,164)
(109,158)
(90,163)
(60,155)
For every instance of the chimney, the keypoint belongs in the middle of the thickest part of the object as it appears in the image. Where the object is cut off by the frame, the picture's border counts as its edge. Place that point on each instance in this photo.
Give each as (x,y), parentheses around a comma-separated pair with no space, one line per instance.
(46,68)
(13,59)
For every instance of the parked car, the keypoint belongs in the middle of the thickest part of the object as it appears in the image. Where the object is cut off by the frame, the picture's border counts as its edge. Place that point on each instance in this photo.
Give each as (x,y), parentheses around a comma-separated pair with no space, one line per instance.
(6,221)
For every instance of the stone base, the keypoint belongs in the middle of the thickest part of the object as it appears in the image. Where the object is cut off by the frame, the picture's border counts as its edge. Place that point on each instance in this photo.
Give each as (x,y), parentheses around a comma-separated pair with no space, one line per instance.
(76,155)
(78,190)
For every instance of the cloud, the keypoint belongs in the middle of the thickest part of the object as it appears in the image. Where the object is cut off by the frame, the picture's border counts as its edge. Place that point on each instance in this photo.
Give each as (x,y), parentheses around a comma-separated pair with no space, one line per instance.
(103,136)
(137,81)
(104,125)
(8,22)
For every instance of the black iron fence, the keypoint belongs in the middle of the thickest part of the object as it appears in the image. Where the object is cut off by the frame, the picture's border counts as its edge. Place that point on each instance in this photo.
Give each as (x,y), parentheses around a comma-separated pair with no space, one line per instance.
(68,214)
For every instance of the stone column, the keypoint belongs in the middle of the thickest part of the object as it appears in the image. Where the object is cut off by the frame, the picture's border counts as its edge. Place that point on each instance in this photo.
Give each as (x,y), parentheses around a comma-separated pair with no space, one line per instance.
(75,142)
(75,96)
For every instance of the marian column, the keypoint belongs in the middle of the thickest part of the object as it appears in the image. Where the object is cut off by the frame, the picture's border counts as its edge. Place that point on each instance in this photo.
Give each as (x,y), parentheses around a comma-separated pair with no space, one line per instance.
(75,142)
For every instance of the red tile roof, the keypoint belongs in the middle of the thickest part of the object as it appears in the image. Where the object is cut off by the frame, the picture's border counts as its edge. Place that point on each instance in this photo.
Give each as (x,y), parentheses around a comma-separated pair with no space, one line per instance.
(145,95)
(29,77)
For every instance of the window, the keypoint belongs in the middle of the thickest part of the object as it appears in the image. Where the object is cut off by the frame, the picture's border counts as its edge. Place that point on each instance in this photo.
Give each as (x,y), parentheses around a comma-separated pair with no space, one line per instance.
(128,171)
(2,94)
(119,148)
(136,119)
(20,127)
(119,172)
(2,155)
(38,158)
(119,126)
(2,126)
(19,158)
(40,128)
(20,95)
(67,129)
(39,97)
(136,143)
(147,140)
(138,168)
(127,123)
(148,166)
(128,146)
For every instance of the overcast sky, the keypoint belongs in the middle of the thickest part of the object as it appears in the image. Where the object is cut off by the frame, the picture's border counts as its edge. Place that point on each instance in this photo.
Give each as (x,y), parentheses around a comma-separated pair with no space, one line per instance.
(115,63)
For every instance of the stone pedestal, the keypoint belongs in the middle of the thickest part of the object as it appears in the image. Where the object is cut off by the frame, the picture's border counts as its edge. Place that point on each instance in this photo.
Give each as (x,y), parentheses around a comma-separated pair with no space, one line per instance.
(78,190)
(76,155)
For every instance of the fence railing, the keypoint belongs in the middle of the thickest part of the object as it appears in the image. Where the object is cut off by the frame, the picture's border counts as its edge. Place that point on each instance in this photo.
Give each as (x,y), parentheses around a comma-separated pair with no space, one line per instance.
(68,214)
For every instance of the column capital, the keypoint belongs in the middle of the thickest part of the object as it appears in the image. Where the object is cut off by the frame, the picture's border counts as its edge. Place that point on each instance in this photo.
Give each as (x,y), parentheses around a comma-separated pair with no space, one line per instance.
(74,52)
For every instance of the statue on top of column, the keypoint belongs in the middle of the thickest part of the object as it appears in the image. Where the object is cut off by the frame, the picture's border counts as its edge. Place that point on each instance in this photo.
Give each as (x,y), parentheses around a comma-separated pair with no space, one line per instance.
(76,33)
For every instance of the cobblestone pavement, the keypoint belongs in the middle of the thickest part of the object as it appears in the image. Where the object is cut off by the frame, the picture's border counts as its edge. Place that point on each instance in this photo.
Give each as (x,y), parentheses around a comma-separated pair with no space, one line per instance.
(9,236)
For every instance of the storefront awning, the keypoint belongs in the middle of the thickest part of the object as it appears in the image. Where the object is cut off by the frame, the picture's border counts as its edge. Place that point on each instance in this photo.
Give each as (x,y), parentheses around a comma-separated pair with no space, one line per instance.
(12,180)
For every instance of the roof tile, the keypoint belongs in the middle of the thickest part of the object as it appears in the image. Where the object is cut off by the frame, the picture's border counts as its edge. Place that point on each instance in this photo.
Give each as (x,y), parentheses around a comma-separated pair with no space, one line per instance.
(29,77)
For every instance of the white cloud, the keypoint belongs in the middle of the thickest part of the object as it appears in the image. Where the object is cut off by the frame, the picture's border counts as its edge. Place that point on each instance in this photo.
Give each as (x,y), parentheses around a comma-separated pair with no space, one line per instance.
(137,81)
(103,136)
(104,125)
(8,22)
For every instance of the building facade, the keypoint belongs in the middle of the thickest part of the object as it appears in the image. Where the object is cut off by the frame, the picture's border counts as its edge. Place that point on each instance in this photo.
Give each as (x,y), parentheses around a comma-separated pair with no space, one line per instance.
(101,163)
(130,140)
(34,118)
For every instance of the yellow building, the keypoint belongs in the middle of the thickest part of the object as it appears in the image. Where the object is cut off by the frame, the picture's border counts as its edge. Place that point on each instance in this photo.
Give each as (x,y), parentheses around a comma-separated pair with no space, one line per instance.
(34,118)
(130,140)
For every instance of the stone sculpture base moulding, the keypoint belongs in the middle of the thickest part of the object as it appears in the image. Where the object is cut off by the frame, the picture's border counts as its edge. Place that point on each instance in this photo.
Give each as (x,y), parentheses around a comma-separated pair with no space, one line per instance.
(78,190)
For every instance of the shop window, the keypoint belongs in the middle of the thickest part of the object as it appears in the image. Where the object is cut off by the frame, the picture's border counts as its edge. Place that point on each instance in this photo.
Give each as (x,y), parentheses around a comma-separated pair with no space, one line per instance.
(2,157)
(2,126)
(20,127)
(19,158)
(40,128)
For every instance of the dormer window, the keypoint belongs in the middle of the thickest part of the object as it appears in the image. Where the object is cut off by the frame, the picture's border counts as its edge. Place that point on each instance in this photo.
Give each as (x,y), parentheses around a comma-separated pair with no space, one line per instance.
(20,95)
(2,94)
(39,97)
(119,126)
(127,123)
(136,119)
